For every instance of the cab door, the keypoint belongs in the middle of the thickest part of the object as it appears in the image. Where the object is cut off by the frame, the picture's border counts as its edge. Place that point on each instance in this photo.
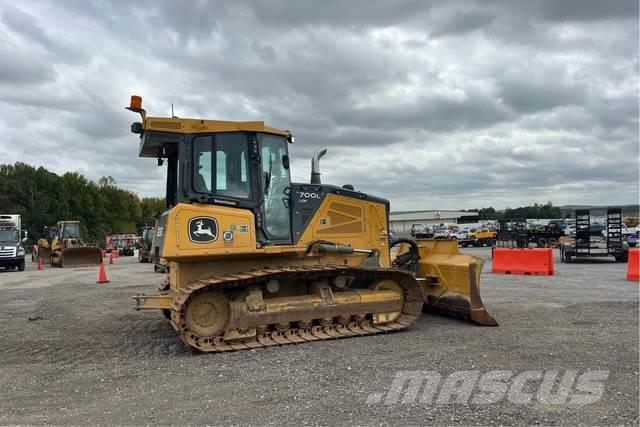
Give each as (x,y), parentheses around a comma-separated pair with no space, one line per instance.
(276,180)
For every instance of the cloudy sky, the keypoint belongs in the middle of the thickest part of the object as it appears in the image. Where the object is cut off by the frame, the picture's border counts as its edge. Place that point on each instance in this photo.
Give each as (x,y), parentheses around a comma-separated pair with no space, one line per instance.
(455,104)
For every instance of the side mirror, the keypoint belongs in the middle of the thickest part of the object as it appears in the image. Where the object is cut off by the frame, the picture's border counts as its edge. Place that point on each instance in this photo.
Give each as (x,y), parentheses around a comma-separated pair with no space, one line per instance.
(24,240)
(285,161)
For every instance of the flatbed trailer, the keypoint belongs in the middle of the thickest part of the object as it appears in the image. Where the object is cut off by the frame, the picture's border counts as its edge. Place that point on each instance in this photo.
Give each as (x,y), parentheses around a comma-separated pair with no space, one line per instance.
(487,241)
(422,235)
(585,246)
(544,238)
(468,241)
(513,233)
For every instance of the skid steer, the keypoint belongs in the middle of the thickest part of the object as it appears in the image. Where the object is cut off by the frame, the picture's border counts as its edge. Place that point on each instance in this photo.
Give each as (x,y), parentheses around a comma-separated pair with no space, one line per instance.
(44,243)
(66,248)
(146,241)
(256,260)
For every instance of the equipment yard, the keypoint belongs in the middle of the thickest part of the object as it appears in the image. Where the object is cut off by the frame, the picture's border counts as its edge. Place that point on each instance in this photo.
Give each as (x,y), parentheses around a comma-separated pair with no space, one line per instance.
(76,352)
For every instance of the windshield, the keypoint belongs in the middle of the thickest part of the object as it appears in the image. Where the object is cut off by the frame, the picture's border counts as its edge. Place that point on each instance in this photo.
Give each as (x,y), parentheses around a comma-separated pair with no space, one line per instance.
(9,236)
(221,165)
(147,235)
(70,231)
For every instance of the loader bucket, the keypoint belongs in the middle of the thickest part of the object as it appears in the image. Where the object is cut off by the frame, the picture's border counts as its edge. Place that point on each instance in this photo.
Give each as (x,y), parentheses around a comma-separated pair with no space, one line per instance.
(450,281)
(81,257)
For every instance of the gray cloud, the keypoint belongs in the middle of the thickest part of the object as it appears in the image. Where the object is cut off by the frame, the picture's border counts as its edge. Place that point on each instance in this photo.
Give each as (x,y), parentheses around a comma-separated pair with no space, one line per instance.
(462,22)
(430,104)
(438,113)
(27,26)
(527,96)
(589,10)
(20,68)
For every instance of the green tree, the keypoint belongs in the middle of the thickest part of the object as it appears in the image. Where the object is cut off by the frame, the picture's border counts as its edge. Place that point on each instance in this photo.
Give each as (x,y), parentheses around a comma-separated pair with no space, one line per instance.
(151,208)
(42,198)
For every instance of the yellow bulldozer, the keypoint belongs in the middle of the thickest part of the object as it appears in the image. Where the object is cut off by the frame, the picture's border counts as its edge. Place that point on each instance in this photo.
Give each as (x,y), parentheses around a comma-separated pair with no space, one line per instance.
(63,247)
(256,260)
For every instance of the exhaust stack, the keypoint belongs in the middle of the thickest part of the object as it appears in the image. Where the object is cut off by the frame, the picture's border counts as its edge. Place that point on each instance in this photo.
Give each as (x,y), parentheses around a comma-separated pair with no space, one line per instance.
(315,165)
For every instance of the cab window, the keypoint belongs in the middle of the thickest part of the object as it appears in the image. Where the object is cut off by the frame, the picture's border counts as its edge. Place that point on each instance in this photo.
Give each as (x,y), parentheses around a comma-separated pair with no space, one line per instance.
(221,164)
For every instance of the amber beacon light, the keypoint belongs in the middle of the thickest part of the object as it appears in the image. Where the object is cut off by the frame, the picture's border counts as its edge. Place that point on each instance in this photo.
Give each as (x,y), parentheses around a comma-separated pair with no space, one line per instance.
(135,105)
(136,102)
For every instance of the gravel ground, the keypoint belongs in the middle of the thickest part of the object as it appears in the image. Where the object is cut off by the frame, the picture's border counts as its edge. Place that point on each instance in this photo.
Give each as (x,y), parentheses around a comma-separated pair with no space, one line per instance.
(75,352)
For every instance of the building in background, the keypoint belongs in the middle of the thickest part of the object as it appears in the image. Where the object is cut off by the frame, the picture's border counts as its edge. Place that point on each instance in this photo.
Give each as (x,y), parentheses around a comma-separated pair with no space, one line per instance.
(401,221)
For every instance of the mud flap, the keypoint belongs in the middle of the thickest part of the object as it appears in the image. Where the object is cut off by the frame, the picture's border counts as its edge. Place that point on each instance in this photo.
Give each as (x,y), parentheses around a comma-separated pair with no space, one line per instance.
(450,281)
(81,257)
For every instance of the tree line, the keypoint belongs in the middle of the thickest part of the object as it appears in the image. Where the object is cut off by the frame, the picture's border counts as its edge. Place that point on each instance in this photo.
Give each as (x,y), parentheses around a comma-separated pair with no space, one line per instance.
(42,198)
(536,211)
(544,211)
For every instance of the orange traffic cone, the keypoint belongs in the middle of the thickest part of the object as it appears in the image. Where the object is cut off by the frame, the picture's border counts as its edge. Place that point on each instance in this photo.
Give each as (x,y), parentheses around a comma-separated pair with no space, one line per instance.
(633,264)
(111,258)
(39,263)
(102,274)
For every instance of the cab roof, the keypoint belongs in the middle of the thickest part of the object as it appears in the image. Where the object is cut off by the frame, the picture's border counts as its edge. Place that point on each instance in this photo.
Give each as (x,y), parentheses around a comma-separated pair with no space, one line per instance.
(180,125)
(159,133)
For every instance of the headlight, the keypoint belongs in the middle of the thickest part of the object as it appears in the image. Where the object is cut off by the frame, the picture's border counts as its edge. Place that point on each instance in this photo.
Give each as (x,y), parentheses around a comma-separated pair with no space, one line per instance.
(20,251)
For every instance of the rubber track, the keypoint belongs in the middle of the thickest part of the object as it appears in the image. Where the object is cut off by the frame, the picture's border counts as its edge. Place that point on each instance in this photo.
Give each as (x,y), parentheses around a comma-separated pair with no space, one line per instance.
(410,312)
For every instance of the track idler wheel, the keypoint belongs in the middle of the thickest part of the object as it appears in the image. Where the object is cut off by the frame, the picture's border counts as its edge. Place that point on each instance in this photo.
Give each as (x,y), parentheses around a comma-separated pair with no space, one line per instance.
(207,314)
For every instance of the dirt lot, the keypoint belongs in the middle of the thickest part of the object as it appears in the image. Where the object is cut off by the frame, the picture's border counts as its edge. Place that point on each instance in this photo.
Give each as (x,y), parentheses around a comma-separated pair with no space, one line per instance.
(75,352)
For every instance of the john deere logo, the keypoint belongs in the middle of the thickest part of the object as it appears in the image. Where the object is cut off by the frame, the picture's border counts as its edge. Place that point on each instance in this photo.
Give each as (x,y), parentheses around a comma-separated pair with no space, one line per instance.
(203,229)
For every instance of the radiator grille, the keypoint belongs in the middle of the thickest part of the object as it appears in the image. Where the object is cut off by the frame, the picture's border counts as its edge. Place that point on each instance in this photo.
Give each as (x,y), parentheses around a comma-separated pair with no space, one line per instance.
(7,251)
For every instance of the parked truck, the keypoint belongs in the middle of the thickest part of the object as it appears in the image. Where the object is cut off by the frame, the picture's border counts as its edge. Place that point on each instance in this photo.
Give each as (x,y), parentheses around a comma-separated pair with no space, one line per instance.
(423,231)
(12,238)
(483,236)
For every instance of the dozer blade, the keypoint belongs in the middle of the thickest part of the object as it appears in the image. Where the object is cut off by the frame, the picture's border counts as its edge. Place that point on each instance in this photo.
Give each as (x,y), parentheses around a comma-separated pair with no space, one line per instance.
(450,281)
(81,257)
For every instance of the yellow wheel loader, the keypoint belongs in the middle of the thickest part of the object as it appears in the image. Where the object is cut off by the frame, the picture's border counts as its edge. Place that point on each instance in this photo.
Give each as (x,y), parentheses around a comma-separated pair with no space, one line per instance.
(256,260)
(66,248)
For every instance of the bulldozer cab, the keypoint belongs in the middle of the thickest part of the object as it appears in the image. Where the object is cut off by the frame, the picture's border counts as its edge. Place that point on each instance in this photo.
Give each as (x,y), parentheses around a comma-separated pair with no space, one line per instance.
(227,168)
(235,164)
(68,230)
